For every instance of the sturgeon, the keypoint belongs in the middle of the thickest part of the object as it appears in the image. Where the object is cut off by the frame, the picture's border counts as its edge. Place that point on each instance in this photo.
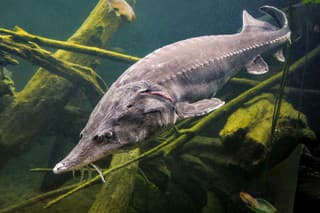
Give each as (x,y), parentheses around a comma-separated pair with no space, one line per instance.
(175,82)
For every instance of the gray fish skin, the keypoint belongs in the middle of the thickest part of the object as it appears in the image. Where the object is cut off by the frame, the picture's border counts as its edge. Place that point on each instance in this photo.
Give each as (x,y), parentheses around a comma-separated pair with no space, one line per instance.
(174,82)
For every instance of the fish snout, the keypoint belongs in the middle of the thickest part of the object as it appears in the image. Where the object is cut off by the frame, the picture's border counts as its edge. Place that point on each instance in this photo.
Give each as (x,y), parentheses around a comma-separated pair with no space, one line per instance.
(60,168)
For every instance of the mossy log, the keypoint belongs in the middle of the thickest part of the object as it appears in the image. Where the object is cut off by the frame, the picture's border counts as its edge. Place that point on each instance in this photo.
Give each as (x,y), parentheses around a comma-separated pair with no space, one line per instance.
(116,192)
(239,159)
(46,94)
(36,107)
(248,129)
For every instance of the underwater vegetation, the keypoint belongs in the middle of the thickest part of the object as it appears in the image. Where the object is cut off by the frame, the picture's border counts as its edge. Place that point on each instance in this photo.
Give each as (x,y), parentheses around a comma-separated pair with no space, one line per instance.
(311,1)
(250,146)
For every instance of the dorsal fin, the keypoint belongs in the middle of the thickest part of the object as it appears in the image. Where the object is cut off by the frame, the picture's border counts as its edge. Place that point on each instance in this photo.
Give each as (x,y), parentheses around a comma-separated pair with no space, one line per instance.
(251,24)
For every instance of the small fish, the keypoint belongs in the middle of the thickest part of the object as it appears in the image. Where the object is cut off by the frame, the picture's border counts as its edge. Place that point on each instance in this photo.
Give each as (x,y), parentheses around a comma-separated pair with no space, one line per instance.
(257,205)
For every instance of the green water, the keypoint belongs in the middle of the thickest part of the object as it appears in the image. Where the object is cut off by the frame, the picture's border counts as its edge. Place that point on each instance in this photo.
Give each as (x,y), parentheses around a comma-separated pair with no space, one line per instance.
(204,174)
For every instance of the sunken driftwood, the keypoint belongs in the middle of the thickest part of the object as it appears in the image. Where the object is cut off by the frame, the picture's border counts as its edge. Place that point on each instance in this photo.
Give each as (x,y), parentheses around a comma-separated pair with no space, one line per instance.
(249,129)
(246,157)
(46,94)
(115,194)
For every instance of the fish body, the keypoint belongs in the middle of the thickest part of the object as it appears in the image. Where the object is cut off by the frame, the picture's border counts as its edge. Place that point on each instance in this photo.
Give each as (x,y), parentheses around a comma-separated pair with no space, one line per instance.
(174,82)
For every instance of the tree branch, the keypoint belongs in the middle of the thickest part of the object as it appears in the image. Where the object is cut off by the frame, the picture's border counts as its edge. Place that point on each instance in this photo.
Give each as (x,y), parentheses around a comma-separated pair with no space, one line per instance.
(21,35)
(86,76)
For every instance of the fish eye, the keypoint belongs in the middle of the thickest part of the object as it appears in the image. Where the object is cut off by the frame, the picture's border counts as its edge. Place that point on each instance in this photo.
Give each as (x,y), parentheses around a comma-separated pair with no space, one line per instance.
(81,136)
(130,105)
(98,138)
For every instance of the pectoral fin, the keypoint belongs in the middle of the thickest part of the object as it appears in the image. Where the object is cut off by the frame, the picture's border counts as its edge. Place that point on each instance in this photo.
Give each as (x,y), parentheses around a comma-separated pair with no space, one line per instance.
(205,106)
(257,66)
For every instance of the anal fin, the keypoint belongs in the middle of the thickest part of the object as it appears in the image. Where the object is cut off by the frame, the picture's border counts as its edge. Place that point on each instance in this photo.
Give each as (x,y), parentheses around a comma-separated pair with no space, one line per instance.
(280,56)
(257,66)
(202,107)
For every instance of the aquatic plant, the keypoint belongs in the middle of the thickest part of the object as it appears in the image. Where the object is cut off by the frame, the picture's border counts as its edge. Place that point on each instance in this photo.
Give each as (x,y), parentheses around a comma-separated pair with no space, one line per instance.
(22,35)
(311,1)
(283,83)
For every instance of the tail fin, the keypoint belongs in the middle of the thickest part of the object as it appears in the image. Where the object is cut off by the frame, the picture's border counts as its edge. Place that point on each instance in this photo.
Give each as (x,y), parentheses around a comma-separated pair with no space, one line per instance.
(277,14)
(252,24)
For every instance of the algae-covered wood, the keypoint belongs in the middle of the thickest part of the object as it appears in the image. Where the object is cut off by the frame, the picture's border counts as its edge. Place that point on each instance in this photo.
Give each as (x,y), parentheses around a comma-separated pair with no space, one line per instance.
(115,194)
(249,129)
(35,109)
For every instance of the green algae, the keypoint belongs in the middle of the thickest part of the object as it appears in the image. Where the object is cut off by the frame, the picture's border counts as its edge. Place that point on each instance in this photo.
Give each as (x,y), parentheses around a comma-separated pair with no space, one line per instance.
(311,1)
(255,118)
(251,126)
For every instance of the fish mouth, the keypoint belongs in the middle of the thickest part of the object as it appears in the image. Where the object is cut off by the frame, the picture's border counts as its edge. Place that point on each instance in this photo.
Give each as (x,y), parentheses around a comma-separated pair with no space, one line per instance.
(66,166)
(59,168)
(72,162)
(62,167)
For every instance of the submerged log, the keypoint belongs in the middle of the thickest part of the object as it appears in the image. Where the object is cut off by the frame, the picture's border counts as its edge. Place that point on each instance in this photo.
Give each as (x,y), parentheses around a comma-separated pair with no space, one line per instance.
(245,157)
(116,192)
(35,108)
(248,130)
